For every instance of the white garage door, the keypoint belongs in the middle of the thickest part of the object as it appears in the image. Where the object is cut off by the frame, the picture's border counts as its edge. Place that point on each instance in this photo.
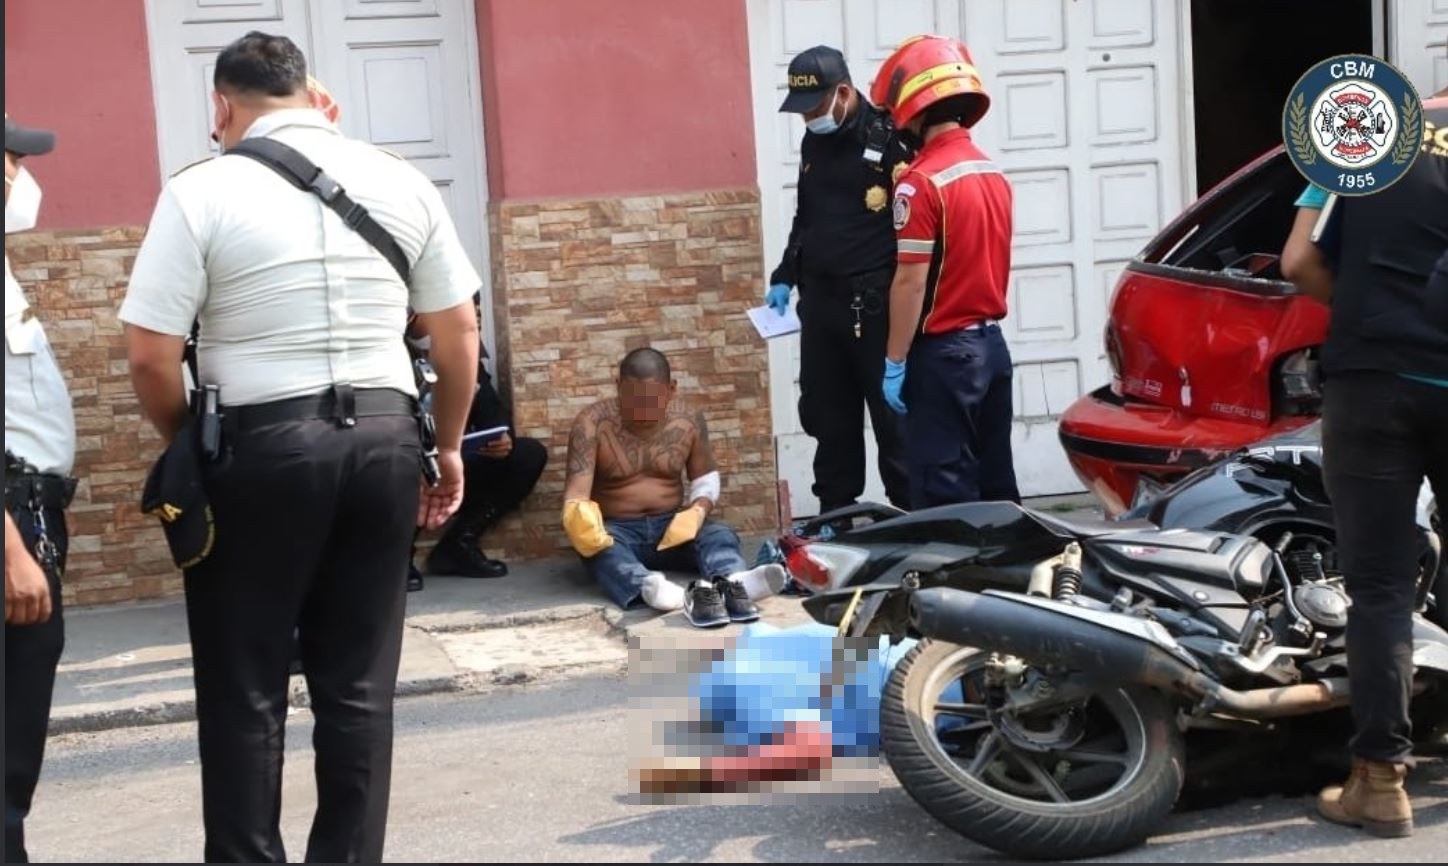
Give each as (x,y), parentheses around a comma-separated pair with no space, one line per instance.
(405,73)
(1087,120)
(1418,31)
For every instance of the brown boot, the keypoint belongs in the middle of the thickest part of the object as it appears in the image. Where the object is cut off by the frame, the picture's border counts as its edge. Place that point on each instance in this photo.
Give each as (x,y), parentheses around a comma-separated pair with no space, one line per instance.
(1373,799)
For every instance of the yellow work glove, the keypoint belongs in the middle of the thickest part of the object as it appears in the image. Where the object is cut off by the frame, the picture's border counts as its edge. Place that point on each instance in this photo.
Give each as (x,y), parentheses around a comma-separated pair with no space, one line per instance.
(583,521)
(684,528)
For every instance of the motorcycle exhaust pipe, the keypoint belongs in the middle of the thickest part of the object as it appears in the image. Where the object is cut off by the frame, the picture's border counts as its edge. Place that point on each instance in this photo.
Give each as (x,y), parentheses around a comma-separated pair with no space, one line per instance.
(1064,637)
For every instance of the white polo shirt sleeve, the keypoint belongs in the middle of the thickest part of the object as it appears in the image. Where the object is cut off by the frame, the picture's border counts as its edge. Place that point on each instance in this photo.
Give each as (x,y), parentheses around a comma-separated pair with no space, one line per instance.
(168,281)
(443,276)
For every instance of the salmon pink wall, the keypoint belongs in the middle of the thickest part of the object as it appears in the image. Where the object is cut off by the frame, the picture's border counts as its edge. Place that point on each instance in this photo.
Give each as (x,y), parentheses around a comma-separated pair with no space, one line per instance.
(586,98)
(82,69)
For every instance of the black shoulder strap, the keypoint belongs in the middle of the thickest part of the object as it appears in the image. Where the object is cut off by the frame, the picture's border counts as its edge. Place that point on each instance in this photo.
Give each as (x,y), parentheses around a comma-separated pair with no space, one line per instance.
(304,174)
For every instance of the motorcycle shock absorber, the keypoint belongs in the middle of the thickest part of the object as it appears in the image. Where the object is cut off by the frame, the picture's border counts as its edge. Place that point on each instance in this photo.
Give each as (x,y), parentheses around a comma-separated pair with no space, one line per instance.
(1068,573)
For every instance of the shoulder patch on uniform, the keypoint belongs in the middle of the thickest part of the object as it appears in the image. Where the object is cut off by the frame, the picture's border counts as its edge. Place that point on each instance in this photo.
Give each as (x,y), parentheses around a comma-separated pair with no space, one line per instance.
(192,165)
(902,212)
(906,189)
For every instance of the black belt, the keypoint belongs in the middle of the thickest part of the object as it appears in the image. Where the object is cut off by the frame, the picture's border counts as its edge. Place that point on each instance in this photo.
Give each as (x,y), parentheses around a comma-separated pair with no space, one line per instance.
(846,285)
(47,489)
(340,403)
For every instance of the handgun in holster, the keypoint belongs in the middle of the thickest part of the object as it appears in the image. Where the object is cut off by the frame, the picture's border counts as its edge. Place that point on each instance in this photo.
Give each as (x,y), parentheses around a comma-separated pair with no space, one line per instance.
(426,377)
(209,417)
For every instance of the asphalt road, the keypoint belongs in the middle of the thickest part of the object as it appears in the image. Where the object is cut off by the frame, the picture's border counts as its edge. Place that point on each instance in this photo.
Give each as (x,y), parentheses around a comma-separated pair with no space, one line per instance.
(540,773)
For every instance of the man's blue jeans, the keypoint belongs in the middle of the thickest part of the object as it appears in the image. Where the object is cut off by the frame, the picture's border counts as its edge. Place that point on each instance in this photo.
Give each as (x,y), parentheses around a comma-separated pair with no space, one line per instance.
(621,569)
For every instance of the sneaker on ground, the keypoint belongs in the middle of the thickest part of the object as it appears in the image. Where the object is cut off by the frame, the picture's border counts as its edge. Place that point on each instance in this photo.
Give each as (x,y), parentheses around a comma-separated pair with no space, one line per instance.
(660,593)
(703,605)
(762,582)
(736,600)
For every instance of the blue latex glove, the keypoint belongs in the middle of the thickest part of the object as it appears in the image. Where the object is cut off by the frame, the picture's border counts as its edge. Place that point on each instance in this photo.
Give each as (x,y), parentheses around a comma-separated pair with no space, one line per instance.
(894,382)
(778,297)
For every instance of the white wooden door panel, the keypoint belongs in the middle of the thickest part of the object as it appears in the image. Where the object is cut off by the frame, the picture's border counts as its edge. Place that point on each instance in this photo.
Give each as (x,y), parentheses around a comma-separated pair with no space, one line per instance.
(185,37)
(1085,121)
(1418,31)
(406,75)
(404,72)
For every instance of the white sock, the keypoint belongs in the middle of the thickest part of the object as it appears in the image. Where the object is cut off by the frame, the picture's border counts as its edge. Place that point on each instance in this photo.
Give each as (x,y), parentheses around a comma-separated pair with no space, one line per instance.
(660,593)
(761,582)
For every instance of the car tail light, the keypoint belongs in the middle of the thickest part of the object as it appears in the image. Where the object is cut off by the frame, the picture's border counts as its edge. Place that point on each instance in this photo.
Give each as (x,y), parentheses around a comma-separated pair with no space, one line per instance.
(824,566)
(1113,351)
(1299,387)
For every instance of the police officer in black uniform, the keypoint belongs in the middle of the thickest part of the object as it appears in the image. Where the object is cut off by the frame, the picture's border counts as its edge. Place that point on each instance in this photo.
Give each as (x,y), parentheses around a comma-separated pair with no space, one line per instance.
(841,256)
(499,476)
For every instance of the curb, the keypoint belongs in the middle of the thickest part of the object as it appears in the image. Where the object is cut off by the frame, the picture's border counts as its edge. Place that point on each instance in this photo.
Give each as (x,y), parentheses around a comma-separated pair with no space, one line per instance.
(469,682)
(168,712)
(453,623)
(164,713)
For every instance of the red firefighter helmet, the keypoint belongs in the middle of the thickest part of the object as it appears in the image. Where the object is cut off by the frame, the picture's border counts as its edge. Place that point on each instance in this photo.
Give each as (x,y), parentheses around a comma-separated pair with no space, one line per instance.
(925,71)
(322,99)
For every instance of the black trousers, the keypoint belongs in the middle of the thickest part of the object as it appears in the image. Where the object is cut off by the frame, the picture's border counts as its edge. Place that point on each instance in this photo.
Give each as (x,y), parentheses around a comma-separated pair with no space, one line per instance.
(839,376)
(1381,436)
(959,397)
(32,653)
(492,488)
(313,525)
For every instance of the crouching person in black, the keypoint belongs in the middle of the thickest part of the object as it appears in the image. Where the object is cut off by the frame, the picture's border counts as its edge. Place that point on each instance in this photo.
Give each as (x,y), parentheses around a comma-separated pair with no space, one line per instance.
(500,470)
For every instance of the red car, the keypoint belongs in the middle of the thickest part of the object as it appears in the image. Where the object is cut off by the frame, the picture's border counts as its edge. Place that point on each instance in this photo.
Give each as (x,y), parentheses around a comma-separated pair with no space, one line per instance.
(1210,347)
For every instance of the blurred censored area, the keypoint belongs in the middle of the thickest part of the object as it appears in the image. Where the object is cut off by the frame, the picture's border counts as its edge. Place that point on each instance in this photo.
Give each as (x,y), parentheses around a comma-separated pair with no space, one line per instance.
(762,714)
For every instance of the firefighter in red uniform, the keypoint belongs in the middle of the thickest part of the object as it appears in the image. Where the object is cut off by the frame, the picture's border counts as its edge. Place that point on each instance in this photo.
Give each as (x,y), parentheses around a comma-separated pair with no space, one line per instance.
(953,229)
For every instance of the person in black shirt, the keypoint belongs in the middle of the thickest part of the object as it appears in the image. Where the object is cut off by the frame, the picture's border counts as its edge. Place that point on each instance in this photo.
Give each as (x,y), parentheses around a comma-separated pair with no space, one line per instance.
(1384,416)
(841,256)
(500,475)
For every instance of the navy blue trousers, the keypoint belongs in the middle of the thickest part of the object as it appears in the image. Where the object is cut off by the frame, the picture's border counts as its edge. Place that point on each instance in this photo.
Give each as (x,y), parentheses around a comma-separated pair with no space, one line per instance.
(958,394)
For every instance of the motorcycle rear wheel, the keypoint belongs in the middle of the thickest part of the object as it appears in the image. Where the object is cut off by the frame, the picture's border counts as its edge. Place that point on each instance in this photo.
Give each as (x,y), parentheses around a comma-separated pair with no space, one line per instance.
(995,798)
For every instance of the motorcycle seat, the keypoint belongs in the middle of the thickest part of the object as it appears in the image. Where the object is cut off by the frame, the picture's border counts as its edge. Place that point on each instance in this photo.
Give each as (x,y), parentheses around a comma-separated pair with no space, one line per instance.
(1090,526)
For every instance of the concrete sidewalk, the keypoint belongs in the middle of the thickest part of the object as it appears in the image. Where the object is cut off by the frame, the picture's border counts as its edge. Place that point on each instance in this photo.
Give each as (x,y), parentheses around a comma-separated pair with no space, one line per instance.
(131,664)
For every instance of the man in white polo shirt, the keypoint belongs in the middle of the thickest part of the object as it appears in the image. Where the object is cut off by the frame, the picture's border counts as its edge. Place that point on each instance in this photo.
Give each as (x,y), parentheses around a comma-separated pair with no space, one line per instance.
(316,491)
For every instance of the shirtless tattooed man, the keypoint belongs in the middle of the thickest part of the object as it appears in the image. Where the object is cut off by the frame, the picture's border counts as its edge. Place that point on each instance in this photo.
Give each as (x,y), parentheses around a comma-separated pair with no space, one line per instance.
(628,514)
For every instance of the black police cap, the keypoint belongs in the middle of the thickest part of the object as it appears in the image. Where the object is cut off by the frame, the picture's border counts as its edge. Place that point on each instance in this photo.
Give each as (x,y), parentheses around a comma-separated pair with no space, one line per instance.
(26,141)
(812,75)
(175,494)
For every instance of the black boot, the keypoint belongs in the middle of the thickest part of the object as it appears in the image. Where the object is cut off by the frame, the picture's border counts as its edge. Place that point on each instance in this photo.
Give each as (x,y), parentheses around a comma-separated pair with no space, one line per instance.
(414,578)
(459,556)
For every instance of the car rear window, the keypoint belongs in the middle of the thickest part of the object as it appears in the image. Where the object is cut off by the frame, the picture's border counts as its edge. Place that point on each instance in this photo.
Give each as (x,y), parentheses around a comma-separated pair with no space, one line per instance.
(1238,229)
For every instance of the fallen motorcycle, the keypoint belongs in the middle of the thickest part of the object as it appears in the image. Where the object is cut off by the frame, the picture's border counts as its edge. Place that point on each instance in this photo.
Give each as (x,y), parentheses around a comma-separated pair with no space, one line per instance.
(1277,486)
(1064,664)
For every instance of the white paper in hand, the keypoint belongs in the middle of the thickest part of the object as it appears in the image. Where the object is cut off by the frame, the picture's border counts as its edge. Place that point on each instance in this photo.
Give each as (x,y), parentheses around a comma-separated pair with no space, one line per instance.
(771,324)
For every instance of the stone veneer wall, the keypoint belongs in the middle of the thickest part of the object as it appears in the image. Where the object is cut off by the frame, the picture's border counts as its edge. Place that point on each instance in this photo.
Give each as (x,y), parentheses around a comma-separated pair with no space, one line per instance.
(576,284)
(75,281)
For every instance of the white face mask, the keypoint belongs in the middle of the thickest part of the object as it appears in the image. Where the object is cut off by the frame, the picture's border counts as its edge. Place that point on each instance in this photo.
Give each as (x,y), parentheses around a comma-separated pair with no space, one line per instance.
(825,123)
(216,137)
(23,207)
